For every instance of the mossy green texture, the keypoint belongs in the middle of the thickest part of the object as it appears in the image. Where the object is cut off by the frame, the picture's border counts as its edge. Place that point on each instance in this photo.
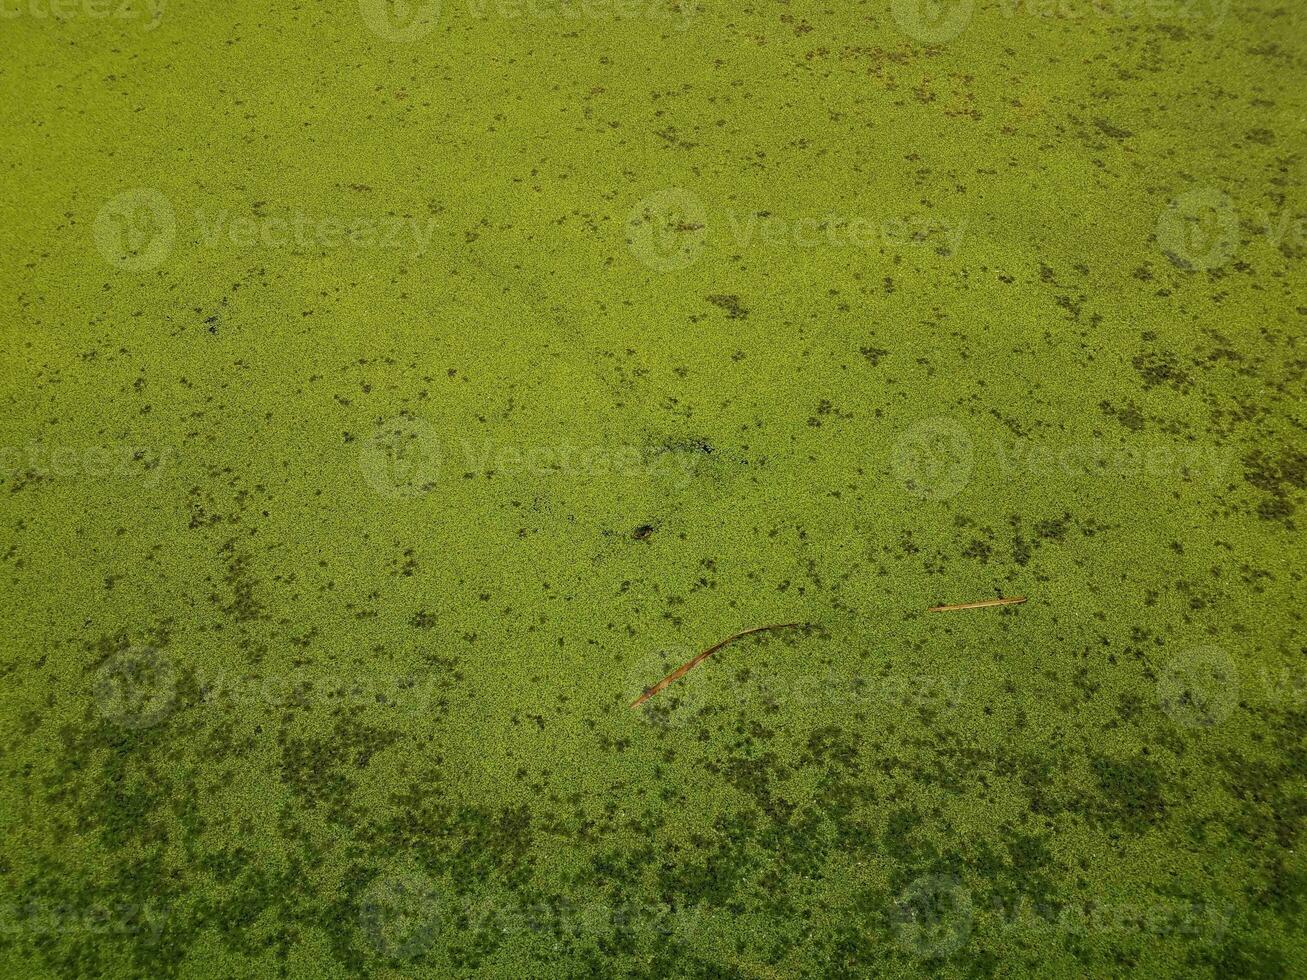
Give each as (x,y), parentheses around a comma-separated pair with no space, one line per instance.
(390,393)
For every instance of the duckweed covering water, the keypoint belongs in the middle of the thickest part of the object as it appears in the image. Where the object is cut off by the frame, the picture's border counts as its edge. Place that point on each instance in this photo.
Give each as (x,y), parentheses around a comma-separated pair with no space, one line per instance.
(393,391)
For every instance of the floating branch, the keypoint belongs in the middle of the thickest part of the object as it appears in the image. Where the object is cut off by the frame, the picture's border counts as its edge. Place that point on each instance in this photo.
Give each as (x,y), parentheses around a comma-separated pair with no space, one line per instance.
(685,668)
(984,603)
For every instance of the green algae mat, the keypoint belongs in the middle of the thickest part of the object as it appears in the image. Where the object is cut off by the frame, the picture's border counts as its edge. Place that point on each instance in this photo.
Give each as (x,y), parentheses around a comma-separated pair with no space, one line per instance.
(393,392)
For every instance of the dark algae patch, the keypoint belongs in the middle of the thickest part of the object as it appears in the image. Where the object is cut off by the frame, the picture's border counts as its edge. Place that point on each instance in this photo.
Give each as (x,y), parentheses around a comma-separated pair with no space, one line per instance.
(394,392)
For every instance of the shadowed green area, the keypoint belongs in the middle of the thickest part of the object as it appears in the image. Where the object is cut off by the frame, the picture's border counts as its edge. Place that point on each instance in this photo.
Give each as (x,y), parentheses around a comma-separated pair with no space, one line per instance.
(391,394)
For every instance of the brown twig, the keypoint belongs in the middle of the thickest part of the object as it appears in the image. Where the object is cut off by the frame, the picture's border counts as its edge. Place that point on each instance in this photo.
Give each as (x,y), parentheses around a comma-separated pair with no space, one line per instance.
(685,668)
(979,605)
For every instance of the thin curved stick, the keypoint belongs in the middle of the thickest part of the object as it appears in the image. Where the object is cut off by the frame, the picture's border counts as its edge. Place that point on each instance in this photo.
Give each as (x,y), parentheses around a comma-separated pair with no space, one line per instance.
(685,668)
(984,603)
